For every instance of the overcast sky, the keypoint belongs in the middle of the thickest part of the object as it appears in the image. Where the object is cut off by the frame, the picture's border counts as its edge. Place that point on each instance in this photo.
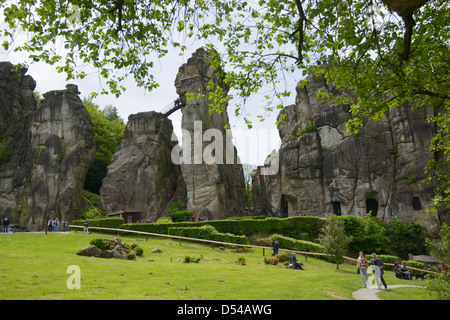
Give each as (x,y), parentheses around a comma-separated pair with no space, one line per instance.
(253,145)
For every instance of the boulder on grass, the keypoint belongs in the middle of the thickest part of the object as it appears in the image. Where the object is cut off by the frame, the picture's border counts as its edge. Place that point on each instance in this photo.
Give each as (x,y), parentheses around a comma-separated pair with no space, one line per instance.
(90,251)
(119,253)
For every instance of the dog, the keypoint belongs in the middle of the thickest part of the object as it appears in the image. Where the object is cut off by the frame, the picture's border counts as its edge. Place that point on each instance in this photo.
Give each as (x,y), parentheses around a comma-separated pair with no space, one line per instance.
(420,275)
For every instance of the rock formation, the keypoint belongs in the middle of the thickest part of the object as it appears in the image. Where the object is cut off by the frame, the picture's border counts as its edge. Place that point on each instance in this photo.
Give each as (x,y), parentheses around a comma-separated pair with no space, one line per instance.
(141,173)
(44,153)
(325,169)
(213,177)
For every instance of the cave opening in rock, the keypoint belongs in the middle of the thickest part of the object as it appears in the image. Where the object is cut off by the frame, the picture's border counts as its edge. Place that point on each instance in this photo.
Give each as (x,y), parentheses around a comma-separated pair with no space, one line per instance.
(336,208)
(372,206)
(416,203)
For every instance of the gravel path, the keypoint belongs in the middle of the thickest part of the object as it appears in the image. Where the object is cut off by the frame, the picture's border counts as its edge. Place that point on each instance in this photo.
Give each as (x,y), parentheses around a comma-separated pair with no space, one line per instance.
(371,294)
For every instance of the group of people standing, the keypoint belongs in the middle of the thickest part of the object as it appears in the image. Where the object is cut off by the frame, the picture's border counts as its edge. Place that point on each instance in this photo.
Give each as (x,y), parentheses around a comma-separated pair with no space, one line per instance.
(53,225)
(376,264)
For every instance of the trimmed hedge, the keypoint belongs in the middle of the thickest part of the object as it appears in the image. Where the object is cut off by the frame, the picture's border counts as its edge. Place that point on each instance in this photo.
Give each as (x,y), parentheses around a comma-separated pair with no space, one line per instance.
(295,227)
(208,233)
(297,245)
(115,223)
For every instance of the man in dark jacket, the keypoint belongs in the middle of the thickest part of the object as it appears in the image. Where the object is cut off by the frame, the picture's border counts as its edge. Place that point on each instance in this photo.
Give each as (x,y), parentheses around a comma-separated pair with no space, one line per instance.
(5,225)
(378,263)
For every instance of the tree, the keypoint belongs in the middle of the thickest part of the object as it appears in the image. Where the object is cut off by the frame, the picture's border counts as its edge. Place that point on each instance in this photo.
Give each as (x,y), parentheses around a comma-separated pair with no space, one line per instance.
(440,284)
(108,131)
(385,52)
(333,238)
(248,169)
(407,238)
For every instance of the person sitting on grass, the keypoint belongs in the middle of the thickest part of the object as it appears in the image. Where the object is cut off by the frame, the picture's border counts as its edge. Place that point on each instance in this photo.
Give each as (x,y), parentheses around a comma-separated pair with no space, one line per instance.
(293,262)
(404,270)
(117,244)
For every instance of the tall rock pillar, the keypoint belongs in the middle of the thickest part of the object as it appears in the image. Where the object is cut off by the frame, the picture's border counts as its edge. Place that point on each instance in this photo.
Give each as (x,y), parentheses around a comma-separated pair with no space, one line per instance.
(141,174)
(209,162)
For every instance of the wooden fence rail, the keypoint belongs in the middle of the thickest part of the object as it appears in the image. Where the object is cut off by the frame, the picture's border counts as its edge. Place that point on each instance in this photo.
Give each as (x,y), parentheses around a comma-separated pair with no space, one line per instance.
(227,243)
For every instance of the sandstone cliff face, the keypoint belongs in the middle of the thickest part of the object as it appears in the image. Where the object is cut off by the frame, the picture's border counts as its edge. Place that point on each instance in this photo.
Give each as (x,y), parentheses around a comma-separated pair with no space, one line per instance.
(45,153)
(214,188)
(141,173)
(325,169)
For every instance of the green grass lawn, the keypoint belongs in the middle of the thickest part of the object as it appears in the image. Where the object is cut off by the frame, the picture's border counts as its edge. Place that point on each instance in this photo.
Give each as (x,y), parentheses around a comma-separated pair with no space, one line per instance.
(34,266)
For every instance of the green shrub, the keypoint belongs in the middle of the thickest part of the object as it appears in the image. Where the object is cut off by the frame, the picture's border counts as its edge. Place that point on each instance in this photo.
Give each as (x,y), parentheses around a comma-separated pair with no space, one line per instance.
(297,245)
(272,260)
(113,223)
(207,232)
(414,264)
(131,255)
(195,260)
(174,206)
(283,256)
(177,213)
(182,215)
(406,238)
(99,243)
(294,227)
(139,251)
(90,213)
(241,261)
(369,234)
(187,259)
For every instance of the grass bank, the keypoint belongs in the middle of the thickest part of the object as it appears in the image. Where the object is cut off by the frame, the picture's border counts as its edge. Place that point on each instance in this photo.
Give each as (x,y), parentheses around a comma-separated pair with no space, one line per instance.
(34,266)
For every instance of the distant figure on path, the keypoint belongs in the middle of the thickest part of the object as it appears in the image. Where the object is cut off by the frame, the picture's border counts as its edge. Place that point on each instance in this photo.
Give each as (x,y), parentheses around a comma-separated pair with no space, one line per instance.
(64,225)
(5,225)
(86,226)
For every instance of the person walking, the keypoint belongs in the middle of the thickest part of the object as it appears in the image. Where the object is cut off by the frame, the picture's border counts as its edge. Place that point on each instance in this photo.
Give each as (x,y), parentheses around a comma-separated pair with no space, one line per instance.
(50,225)
(362,265)
(275,248)
(5,225)
(86,226)
(378,266)
(64,225)
(56,224)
